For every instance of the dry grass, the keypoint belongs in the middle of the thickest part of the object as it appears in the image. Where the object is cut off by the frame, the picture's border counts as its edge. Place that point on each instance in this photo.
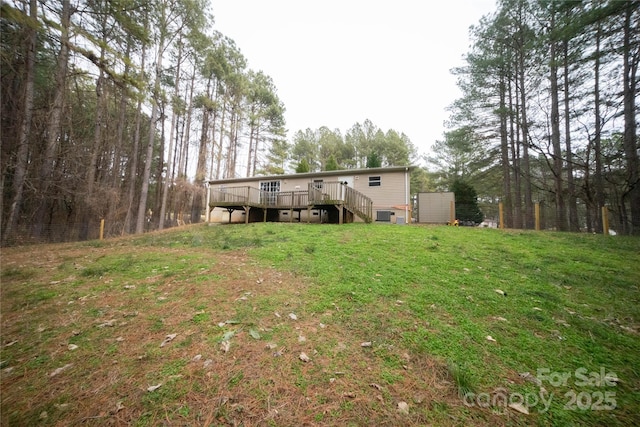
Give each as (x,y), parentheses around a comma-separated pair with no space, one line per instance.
(49,301)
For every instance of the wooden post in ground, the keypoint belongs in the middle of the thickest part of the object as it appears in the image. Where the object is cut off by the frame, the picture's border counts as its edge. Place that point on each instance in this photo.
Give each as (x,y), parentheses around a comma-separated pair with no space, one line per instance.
(102,229)
(452,212)
(501,215)
(537,213)
(605,221)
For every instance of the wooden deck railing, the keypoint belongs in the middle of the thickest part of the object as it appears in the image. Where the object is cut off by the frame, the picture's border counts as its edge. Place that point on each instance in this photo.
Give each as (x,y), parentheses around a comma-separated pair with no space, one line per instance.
(326,193)
(235,196)
(319,193)
(293,199)
(358,203)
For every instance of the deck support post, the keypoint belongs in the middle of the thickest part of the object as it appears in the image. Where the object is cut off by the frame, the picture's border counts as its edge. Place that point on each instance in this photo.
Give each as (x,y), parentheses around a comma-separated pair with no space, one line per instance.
(340,214)
(264,214)
(246,214)
(308,214)
(291,214)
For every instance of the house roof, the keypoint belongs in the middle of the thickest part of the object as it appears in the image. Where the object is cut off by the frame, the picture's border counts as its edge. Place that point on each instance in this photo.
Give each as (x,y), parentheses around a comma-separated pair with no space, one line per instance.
(367,171)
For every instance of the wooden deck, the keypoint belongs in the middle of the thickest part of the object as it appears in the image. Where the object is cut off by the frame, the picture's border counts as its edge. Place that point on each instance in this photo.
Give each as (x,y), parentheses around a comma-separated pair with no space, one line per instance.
(266,204)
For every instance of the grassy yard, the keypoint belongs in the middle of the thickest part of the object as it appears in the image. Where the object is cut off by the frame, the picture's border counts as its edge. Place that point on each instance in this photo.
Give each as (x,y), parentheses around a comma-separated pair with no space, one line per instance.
(296,324)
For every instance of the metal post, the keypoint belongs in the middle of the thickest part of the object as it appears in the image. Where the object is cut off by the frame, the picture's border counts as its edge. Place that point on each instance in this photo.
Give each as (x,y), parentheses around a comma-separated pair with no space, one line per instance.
(102,229)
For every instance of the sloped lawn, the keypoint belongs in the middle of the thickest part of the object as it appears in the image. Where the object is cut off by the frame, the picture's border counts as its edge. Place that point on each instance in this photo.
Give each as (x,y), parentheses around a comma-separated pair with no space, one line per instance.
(295,324)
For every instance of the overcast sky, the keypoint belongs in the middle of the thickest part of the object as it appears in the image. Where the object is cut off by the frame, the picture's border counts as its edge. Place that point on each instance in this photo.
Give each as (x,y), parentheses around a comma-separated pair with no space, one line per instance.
(335,63)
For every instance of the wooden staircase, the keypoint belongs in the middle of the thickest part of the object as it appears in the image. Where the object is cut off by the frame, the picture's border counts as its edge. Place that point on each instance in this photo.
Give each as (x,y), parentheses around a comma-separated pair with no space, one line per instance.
(341,196)
(358,204)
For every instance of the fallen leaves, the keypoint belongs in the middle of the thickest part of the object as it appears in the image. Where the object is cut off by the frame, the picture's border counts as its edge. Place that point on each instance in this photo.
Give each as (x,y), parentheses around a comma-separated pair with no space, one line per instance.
(517,406)
(403,408)
(303,356)
(228,335)
(153,388)
(60,370)
(108,324)
(168,339)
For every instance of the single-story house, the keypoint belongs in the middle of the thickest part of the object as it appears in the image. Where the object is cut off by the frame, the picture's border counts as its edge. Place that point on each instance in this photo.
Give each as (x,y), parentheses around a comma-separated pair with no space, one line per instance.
(351,195)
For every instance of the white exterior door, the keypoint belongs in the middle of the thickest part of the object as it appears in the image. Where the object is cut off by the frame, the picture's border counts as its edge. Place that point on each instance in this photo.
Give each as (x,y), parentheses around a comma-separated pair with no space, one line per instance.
(348,180)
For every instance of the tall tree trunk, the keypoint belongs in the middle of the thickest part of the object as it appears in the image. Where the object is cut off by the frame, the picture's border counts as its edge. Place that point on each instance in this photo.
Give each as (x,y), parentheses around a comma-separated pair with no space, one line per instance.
(214,121)
(201,166)
(155,98)
(229,151)
(160,168)
(504,156)
(174,116)
(598,180)
(560,216)
(630,68)
(22,157)
(55,115)
(89,196)
(219,153)
(251,154)
(116,185)
(182,169)
(525,168)
(574,224)
(236,141)
(135,155)
(257,149)
(515,152)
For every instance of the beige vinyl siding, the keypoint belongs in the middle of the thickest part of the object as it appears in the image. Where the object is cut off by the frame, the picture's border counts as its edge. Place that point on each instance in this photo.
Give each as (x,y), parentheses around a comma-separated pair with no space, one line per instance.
(388,196)
(390,192)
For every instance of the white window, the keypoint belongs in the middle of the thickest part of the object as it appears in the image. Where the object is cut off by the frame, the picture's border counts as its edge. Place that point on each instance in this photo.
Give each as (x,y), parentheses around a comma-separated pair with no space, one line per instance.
(374,181)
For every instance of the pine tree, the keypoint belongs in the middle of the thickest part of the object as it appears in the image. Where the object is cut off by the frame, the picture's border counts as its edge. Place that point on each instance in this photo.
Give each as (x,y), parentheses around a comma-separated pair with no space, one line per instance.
(303,166)
(332,164)
(373,160)
(467,209)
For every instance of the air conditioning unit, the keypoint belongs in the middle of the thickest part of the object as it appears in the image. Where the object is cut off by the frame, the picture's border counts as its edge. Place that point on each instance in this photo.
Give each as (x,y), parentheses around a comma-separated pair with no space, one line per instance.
(383,216)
